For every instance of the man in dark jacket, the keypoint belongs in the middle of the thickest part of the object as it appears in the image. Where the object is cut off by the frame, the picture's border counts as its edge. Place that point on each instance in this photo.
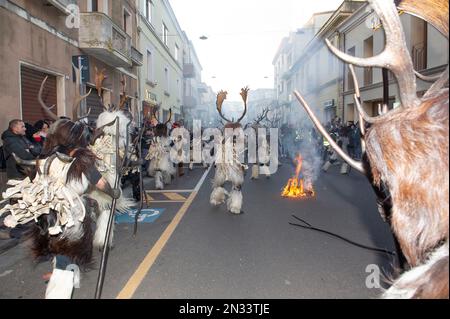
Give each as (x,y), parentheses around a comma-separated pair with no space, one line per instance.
(14,141)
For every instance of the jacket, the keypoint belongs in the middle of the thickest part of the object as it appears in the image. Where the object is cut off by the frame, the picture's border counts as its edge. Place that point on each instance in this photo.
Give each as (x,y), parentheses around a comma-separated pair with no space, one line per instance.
(13,143)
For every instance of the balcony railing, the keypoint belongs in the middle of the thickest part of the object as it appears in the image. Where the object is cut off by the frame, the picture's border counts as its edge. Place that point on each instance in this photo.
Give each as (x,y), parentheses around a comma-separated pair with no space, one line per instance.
(136,57)
(102,38)
(202,88)
(189,70)
(62,5)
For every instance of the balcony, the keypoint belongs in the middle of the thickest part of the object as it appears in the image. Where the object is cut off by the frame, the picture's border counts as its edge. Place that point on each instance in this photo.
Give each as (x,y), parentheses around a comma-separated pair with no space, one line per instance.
(189,70)
(202,88)
(190,101)
(136,57)
(101,37)
(61,5)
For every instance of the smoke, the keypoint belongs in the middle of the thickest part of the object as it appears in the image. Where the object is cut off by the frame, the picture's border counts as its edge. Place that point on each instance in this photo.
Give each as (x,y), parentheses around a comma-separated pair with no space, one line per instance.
(303,138)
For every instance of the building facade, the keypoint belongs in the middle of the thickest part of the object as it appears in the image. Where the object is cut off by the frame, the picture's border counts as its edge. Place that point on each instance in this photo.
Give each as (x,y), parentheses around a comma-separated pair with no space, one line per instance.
(363,36)
(314,71)
(305,63)
(162,43)
(193,87)
(43,38)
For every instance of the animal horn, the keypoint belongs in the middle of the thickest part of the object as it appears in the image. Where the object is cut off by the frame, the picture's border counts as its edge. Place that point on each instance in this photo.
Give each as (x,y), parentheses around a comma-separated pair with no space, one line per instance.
(394,57)
(355,164)
(244,94)
(41,102)
(23,162)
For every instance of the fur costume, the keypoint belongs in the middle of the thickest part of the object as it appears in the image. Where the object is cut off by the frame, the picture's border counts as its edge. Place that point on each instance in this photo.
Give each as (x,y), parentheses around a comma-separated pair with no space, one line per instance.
(406,152)
(161,167)
(104,148)
(228,170)
(54,200)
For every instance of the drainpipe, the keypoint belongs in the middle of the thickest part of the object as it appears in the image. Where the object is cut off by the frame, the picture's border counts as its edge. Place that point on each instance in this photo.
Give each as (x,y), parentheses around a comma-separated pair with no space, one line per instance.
(343,79)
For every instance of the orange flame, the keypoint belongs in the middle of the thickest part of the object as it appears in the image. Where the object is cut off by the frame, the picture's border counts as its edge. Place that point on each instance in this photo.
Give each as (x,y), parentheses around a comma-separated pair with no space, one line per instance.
(294,187)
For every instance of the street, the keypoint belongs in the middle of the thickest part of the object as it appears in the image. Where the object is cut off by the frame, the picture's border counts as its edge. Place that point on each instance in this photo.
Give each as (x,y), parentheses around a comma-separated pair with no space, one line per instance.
(194,250)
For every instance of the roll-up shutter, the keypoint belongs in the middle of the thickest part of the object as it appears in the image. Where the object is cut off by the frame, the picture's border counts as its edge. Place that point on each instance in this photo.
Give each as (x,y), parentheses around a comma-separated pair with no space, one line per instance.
(30,83)
(93,102)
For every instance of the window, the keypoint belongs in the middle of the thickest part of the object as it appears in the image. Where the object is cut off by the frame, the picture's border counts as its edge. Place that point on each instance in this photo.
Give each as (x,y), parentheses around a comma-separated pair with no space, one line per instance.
(98,6)
(176,52)
(166,80)
(149,66)
(93,5)
(419,43)
(148,10)
(127,22)
(165,34)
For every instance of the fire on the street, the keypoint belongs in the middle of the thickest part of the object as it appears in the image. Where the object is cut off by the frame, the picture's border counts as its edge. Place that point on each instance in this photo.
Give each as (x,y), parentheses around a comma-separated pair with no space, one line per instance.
(295,185)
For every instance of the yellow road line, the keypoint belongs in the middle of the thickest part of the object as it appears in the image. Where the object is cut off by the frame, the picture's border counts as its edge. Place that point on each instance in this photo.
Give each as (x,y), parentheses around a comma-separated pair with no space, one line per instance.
(149,198)
(167,201)
(136,279)
(174,196)
(157,191)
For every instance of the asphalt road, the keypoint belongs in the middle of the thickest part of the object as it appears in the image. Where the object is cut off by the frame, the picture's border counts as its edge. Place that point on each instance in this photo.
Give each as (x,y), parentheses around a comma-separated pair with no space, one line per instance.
(193,250)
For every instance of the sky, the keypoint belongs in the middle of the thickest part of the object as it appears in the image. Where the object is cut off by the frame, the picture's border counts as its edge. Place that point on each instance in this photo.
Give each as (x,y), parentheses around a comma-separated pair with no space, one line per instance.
(243,37)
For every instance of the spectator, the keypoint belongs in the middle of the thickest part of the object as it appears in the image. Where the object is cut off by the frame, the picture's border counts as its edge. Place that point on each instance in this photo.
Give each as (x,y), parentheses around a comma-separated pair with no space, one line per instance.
(14,141)
(41,127)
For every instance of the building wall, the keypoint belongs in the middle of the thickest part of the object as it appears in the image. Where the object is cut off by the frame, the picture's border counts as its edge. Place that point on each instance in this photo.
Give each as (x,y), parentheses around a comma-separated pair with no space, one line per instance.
(22,42)
(35,34)
(356,29)
(153,77)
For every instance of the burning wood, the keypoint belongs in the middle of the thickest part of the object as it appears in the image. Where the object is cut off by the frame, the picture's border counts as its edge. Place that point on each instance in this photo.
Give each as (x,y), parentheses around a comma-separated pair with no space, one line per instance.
(296,187)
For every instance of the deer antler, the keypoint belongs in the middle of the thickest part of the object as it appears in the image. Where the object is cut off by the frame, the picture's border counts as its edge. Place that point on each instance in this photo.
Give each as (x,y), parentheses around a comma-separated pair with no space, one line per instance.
(395,56)
(262,116)
(41,102)
(170,117)
(221,96)
(434,12)
(79,97)
(100,76)
(355,164)
(244,93)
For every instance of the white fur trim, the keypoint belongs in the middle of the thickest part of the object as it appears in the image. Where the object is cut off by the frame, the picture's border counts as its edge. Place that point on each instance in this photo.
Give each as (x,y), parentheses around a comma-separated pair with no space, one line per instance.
(102,226)
(218,196)
(107,117)
(255,171)
(234,203)
(265,170)
(60,285)
(235,175)
(406,285)
(159,184)
(220,176)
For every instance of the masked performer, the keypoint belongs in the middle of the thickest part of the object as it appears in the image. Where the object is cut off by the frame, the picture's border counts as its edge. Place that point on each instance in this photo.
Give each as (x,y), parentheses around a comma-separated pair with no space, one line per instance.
(161,167)
(55,201)
(103,145)
(262,157)
(229,168)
